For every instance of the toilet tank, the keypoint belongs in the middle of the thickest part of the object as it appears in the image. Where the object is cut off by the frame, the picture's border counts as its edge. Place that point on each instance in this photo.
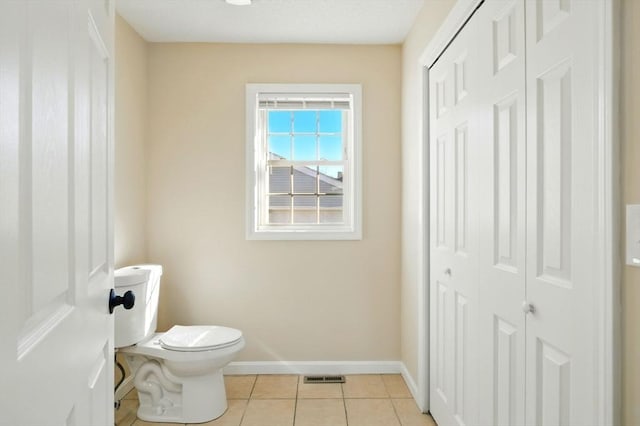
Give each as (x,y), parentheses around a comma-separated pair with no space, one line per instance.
(136,324)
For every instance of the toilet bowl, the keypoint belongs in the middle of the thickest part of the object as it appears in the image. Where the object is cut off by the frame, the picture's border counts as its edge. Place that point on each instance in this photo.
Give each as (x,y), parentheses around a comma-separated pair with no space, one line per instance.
(178,374)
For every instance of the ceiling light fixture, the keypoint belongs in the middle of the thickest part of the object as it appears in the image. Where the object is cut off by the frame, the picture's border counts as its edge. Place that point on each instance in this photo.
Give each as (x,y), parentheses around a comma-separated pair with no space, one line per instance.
(239,2)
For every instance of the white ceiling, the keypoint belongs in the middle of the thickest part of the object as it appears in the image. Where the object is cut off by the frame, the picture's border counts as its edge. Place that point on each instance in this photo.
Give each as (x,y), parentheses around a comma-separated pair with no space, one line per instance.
(272,21)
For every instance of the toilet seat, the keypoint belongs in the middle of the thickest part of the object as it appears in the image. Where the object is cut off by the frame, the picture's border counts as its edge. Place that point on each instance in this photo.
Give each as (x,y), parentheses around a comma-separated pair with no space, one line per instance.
(152,348)
(197,338)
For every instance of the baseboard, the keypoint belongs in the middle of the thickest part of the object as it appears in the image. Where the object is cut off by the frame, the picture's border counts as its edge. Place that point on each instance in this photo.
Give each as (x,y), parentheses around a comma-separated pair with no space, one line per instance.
(314,367)
(408,379)
(124,388)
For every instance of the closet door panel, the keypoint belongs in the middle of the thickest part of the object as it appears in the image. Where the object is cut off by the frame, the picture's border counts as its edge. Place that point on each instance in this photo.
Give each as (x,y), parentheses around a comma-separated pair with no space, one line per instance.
(502,209)
(562,219)
(453,245)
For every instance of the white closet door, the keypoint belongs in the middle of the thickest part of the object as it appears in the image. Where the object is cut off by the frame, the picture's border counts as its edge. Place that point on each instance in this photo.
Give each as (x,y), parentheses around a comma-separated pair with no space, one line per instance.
(515,214)
(562,213)
(502,222)
(454,141)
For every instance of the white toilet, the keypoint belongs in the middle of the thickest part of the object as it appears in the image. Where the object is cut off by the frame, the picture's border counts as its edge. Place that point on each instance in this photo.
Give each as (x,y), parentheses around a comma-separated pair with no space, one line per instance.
(178,374)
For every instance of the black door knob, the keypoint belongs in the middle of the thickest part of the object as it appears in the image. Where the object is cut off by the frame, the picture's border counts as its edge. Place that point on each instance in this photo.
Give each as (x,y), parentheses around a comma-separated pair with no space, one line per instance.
(127,300)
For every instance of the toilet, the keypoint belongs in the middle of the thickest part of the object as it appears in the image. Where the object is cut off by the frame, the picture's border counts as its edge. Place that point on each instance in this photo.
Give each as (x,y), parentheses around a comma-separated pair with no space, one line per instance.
(178,374)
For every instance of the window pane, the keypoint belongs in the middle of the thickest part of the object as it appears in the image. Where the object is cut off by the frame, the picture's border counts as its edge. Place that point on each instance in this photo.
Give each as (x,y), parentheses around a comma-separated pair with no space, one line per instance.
(330,121)
(280,180)
(305,210)
(304,148)
(305,201)
(331,178)
(280,146)
(304,121)
(280,209)
(279,121)
(331,210)
(305,180)
(279,201)
(331,148)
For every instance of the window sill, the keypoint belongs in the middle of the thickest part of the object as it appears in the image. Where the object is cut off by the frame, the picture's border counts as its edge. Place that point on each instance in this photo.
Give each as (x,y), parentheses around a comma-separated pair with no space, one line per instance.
(280,234)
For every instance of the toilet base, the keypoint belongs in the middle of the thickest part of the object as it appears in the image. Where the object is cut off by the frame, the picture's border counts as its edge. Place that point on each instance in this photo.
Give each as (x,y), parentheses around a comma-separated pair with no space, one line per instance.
(166,398)
(175,415)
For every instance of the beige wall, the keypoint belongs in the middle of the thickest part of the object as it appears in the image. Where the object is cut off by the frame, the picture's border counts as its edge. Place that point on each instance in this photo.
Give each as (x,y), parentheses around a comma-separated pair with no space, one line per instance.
(630,136)
(427,23)
(294,300)
(130,151)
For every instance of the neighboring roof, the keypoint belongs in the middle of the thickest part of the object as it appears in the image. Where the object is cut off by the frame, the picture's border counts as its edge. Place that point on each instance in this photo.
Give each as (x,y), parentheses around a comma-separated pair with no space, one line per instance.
(272,21)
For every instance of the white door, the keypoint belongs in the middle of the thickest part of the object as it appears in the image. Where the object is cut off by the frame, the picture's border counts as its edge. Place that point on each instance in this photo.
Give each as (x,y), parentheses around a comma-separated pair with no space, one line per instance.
(56,262)
(454,134)
(500,41)
(514,316)
(563,264)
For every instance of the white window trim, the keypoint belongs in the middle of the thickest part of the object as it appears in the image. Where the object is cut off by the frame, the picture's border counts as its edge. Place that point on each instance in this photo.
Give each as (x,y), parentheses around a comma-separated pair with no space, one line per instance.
(352,231)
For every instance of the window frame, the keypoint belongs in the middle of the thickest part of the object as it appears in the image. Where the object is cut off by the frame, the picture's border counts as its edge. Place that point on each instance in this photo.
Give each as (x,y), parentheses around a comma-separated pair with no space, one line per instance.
(256,167)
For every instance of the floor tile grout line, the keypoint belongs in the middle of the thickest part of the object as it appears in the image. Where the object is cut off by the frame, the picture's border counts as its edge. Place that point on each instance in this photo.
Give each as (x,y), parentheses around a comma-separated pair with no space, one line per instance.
(243,413)
(407,393)
(246,407)
(346,415)
(395,411)
(255,381)
(393,407)
(295,403)
(384,383)
(344,401)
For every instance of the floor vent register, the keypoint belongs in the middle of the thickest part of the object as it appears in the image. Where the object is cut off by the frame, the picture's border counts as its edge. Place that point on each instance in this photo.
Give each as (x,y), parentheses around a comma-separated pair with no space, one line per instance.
(324,379)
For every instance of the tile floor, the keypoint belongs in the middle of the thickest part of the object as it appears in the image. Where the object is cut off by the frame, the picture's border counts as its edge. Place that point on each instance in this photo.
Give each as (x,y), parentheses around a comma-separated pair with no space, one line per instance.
(279,400)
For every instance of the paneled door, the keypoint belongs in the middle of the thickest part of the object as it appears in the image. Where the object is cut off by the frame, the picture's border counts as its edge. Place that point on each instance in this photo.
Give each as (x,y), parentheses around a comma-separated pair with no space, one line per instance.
(455,134)
(516,214)
(56,262)
(478,183)
(564,199)
(500,41)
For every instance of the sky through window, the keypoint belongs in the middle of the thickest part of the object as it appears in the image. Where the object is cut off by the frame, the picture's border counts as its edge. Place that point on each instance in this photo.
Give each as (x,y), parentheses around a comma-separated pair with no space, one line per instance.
(307,135)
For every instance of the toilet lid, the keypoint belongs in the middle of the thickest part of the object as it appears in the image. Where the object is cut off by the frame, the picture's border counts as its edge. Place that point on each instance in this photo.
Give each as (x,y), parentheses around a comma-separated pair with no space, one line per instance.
(199,338)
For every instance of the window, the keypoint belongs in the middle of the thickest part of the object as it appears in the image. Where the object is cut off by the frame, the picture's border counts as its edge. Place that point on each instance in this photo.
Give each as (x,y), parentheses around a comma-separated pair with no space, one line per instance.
(303,161)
